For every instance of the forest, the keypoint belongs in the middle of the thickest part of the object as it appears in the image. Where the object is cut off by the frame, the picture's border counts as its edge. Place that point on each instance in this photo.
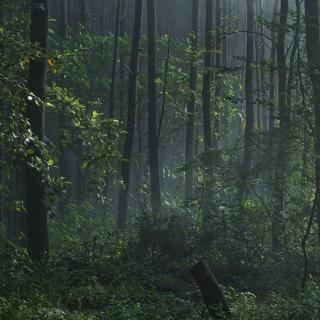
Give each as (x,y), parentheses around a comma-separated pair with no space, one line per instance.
(159,159)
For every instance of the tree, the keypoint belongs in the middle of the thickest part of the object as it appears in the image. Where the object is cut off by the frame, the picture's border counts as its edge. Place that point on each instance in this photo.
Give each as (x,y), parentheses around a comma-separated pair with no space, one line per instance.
(283,139)
(122,63)
(272,93)
(206,112)
(63,23)
(217,64)
(131,118)
(313,53)
(190,141)
(114,59)
(38,244)
(64,155)
(249,99)
(153,138)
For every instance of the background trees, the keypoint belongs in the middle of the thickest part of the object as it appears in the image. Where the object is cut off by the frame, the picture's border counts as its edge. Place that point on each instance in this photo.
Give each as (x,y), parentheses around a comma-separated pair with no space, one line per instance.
(205,111)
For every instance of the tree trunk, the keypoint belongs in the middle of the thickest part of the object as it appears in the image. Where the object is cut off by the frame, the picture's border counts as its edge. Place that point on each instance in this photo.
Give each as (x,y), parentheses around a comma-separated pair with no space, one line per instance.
(64,155)
(218,55)
(225,41)
(131,118)
(313,54)
(114,60)
(38,244)
(206,113)
(283,138)
(210,290)
(122,60)
(248,134)
(152,111)
(293,54)
(272,94)
(63,25)
(190,140)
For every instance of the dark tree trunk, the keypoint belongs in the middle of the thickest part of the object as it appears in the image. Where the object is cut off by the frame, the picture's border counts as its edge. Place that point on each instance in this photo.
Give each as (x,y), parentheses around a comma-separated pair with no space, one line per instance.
(38,244)
(293,54)
(259,67)
(313,54)
(211,293)
(225,41)
(122,60)
(272,95)
(152,111)
(248,134)
(64,155)
(283,139)
(262,78)
(190,140)
(218,59)
(131,118)
(83,13)
(114,59)
(206,112)
(63,25)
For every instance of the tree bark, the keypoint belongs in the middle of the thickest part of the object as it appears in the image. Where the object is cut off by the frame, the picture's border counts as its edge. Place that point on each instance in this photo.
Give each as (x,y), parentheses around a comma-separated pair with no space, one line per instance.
(190,139)
(210,290)
(64,155)
(283,139)
(114,59)
(293,54)
(272,95)
(131,118)
(217,69)
(313,53)
(206,113)
(63,25)
(153,138)
(248,134)
(38,244)
(122,63)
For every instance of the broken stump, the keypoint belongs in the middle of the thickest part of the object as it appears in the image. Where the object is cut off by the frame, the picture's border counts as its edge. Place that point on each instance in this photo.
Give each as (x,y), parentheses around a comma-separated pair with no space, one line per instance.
(211,293)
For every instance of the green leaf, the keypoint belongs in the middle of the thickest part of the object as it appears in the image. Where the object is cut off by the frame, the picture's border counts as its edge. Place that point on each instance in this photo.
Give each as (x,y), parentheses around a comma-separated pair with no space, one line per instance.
(85,165)
(30,152)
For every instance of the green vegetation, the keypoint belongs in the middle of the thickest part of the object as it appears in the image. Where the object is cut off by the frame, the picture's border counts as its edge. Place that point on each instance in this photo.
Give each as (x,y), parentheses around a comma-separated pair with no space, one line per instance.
(94,226)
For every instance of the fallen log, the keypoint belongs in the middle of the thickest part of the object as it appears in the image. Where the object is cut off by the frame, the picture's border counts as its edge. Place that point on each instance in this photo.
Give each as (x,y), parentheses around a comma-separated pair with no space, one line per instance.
(211,293)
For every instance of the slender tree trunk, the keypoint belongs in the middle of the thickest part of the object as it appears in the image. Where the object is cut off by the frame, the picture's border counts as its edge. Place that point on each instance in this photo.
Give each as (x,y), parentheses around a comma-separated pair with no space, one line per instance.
(63,24)
(313,53)
(131,118)
(114,59)
(218,59)
(38,244)
(272,94)
(293,55)
(258,73)
(83,13)
(283,139)
(225,41)
(263,71)
(206,112)
(248,134)
(122,60)
(152,111)
(190,140)
(64,155)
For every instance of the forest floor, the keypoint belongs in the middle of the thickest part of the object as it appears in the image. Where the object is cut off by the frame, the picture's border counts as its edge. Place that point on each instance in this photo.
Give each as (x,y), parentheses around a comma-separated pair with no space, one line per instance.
(134,277)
